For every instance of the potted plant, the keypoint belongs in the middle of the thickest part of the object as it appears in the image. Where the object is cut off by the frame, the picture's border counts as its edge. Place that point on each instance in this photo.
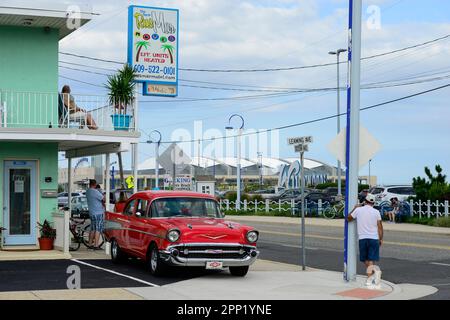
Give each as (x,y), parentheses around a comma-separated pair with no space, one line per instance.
(48,235)
(121,95)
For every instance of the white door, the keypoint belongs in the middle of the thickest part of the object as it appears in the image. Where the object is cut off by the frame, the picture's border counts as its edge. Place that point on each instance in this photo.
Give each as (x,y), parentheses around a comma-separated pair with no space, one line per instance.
(19,202)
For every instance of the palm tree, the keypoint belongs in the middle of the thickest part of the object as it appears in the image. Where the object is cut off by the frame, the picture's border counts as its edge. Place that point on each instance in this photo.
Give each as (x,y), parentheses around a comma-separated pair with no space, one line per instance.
(170,48)
(139,46)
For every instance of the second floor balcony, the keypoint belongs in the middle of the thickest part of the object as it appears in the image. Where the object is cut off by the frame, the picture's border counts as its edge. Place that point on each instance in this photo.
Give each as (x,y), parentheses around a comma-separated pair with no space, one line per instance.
(40,110)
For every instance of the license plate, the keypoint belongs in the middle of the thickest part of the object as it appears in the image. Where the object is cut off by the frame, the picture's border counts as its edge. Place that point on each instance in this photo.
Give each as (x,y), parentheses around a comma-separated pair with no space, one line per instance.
(214,265)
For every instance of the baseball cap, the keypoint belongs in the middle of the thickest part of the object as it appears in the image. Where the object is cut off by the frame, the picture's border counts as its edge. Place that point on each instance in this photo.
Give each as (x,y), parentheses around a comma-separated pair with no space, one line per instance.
(370,198)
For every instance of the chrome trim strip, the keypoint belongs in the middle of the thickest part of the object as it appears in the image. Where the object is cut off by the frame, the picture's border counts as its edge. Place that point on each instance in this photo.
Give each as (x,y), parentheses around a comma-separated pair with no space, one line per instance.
(212,244)
(201,262)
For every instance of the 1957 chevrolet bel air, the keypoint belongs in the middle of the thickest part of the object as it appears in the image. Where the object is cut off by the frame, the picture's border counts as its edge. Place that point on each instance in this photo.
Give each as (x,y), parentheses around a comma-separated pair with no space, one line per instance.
(179,228)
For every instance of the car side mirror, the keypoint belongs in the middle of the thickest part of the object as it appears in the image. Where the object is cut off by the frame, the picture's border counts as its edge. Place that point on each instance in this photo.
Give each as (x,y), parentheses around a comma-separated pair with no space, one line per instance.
(66,208)
(138,214)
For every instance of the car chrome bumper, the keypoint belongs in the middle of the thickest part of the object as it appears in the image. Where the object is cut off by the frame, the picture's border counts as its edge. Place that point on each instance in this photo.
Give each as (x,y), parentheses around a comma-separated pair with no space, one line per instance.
(172,256)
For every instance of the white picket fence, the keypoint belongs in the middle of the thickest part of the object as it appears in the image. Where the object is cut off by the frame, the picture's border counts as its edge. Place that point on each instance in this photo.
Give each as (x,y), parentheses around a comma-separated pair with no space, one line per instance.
(429,209)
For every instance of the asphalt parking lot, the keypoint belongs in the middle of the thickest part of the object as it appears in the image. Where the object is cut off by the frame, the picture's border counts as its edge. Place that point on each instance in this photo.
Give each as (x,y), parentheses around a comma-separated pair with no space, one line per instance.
(101,273)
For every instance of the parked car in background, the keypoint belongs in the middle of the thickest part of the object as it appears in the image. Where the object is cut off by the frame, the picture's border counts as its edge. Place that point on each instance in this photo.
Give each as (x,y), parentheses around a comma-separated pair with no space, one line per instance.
(265,193)
(64,196)
(314,197)
(288,194)
(80,207)
(180,228)
(332,192)
(386,193)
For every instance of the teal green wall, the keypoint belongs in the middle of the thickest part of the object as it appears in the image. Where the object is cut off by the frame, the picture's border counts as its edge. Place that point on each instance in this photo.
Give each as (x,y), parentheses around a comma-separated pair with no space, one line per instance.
(29,63)
(47,154)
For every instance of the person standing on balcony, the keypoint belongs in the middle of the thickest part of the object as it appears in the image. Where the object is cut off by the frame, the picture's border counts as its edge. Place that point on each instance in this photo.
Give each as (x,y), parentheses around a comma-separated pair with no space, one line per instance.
(95,201)
(76,112)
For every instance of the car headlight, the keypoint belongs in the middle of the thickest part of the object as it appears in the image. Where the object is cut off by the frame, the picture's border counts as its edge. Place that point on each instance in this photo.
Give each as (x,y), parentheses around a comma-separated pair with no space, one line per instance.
(252,236)
(173,235)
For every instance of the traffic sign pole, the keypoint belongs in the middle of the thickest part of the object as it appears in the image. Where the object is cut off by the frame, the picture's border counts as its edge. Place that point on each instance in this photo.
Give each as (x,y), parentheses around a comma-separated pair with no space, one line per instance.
(352,138)
(302,177)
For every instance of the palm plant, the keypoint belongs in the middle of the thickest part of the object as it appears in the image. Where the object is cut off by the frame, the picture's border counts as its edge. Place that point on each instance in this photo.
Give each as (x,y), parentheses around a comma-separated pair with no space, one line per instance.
(121,88)
(169,48)
(139,46)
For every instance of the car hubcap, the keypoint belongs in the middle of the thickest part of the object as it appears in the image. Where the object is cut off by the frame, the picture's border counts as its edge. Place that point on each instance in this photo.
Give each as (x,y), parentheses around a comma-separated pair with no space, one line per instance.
(154,260)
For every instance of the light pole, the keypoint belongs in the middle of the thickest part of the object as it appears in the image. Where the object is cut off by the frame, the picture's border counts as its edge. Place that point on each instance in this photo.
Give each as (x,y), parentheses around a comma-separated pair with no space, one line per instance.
(238,166)
(113,185)
(157,144)
(260,170)
(369,174)
(337,53)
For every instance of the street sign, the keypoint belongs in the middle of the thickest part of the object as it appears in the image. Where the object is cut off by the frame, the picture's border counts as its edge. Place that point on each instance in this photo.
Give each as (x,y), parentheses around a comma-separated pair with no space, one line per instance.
(301,148)
(368,146)
(151,89)
(300,140)
(174,155)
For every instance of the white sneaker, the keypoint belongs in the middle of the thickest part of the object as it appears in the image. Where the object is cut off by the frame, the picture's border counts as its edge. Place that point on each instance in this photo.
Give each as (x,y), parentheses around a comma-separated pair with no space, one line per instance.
(377,277)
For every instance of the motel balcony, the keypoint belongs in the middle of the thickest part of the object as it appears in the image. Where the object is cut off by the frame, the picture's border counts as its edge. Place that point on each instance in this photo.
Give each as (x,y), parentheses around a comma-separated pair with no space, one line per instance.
(44,117)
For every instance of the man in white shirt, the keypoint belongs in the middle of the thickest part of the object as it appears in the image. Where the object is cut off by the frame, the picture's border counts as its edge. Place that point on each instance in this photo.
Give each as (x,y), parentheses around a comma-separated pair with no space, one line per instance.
(370,232)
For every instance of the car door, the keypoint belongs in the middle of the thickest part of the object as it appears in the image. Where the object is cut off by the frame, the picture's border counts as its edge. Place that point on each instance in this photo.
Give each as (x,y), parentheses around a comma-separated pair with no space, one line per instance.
(138,234)
(124,220)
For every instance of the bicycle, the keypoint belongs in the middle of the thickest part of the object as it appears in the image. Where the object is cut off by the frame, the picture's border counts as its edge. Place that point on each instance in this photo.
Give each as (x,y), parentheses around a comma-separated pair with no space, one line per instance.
(333,211)
(80,234)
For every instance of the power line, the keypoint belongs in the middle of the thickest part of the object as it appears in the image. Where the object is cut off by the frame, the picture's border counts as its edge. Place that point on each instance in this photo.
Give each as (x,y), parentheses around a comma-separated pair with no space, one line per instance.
(314,120)
(275,69)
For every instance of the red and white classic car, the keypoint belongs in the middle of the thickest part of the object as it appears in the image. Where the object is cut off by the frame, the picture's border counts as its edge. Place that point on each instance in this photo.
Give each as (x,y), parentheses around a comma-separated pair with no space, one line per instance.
(179,228)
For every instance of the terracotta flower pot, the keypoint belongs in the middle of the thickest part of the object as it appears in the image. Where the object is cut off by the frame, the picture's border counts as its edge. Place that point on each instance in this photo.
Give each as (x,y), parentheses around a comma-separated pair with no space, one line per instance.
(46,243)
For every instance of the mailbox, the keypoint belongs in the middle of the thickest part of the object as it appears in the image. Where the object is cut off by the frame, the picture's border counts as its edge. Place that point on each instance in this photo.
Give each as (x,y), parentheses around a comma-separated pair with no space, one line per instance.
(49,193)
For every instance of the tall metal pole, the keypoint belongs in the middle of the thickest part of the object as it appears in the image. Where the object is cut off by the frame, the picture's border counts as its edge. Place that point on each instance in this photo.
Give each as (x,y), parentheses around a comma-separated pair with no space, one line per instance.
(174,169)
(107,181)
(369,174)
(338,126)
(238,176)
(352,138)
(157,165)
(135,145)
(302,178)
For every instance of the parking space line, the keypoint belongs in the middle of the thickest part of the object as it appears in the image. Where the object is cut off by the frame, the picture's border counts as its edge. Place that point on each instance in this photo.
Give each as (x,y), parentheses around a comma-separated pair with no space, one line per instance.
(116,273)
(440,264)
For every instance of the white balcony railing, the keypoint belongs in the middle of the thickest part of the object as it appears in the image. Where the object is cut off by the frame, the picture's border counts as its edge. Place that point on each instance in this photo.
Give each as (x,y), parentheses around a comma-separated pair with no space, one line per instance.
(50,110)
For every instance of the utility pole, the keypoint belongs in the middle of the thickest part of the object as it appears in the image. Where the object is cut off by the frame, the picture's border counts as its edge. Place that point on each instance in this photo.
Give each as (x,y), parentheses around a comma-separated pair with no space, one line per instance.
(157,144)
(352,136)
(238,173)
(339,172)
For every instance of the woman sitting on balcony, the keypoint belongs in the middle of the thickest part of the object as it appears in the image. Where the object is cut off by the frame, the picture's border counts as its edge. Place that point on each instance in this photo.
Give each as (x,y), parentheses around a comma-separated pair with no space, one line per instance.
(76,112)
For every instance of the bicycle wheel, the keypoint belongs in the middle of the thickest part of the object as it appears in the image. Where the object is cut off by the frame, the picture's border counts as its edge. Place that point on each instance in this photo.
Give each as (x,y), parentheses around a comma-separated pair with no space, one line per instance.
(329,213)
(85,237)
(75,243)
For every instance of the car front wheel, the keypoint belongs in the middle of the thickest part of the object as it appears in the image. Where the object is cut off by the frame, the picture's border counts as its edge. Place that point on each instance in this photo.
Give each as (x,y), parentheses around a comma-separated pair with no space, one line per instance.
(156,266)
(239,271)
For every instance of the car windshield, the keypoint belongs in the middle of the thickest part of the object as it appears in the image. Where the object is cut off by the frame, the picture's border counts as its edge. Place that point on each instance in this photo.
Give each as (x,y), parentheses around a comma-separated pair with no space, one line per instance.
(185,207)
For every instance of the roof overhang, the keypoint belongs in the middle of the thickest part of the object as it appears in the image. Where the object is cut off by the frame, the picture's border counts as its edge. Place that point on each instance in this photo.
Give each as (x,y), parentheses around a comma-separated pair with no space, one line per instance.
(57,16)
(74,142)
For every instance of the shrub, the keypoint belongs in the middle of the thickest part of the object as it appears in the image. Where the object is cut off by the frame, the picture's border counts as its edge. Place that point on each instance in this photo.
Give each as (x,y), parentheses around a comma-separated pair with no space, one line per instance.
(442,222)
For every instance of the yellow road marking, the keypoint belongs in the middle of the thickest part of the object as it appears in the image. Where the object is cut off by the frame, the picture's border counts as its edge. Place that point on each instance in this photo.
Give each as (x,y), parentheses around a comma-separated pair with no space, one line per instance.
(403,244)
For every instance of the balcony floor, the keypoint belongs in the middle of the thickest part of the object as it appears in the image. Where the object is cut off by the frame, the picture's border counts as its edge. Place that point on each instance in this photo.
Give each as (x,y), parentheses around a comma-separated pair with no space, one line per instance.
(74,142)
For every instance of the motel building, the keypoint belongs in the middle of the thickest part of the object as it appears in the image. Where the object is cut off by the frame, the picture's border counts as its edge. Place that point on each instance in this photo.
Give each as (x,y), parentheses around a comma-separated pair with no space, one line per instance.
(35,126)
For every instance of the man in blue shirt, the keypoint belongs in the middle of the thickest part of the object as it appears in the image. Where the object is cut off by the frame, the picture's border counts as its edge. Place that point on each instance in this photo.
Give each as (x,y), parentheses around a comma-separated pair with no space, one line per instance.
(96,207)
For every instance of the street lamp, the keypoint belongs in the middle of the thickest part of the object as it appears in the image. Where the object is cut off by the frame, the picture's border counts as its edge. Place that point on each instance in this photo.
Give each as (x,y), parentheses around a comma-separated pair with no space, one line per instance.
(157,144)
(337,53)
(260,170)
(238,167)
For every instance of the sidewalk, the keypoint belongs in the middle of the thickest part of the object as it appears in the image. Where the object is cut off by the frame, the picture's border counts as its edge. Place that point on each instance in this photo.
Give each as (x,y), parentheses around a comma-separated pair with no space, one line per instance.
(10,255)
(405,227)
(265,280)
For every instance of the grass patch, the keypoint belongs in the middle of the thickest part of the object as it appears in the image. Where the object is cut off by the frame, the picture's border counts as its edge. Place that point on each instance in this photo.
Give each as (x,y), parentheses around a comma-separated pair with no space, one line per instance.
(442,222)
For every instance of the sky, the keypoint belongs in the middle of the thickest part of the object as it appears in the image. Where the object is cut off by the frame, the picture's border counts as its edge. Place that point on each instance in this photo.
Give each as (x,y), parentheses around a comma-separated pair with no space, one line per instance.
(231,34)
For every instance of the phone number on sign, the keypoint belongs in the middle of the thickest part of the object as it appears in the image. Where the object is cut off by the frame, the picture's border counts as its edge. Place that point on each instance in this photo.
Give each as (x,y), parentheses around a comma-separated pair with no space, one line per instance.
(139,68)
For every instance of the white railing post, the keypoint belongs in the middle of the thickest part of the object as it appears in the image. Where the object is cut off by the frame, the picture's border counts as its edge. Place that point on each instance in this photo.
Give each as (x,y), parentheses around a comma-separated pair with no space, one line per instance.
(220,204)
(227,204)
(256,206)
(428,208)
(267,205)
(319,207)
(438,205)
(446,208)
(245,205)
(292,206)
(420,209)
(279,205)
(411,208)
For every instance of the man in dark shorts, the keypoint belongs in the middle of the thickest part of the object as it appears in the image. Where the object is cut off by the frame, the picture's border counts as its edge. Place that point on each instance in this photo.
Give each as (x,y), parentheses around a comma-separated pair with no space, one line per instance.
(370,233)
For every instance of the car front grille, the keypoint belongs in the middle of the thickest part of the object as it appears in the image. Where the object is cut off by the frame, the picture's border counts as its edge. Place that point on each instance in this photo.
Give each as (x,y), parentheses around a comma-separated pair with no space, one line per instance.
(213,251)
